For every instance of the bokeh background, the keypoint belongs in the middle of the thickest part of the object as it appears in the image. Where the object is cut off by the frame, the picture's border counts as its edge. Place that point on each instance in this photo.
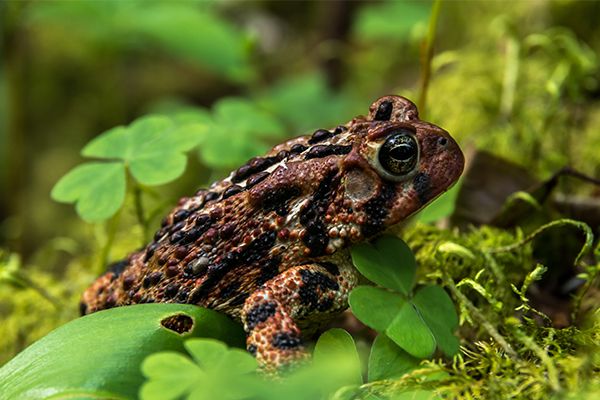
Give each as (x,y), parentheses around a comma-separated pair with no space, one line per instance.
(517,78)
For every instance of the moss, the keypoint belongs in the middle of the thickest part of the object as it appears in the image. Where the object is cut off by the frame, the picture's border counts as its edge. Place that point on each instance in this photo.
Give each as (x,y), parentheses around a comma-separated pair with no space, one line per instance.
(29,312)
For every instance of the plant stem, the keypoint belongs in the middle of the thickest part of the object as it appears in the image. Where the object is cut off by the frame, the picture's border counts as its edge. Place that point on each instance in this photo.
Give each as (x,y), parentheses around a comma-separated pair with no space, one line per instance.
(427,56)
(487,325)
(511,74)
(589,237)
(110,228)
(139,210)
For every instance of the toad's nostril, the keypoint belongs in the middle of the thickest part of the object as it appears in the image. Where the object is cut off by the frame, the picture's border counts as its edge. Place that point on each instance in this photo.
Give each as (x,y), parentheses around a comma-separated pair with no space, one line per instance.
(442,141)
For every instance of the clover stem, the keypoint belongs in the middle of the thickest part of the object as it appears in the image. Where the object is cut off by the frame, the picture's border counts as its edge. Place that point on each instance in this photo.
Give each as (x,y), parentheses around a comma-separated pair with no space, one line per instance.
(487,325)
(110,228)
(139,210)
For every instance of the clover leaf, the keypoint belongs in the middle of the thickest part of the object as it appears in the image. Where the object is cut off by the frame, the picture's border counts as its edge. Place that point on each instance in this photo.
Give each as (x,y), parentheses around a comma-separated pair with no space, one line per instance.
(417,321)
(379,263)
(151,148)
(437,311)
(387,360)
(239,130)
(98,189)
(376,307)
(306,101)
(335,367)
(214,372)
(337,346)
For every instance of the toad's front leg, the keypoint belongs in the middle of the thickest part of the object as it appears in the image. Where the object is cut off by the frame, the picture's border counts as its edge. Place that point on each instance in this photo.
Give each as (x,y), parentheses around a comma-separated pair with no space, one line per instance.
(300,298)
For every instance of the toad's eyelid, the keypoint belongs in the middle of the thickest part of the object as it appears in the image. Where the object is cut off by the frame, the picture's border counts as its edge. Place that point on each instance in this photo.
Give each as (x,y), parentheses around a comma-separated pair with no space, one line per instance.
(388,129)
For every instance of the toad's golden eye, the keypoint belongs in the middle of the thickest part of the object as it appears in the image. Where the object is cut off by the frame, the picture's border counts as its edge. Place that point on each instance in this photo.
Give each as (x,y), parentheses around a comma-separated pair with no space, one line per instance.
(399,153)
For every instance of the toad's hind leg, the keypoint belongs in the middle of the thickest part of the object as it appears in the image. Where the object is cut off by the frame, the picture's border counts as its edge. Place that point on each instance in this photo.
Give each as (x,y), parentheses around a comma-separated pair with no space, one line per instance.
(302,296)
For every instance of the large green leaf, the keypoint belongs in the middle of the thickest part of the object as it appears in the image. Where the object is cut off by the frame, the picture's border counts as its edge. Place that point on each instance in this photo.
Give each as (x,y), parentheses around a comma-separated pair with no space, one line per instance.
(190,30)
(387,261)
(99,355)
(196,34)
(98,189)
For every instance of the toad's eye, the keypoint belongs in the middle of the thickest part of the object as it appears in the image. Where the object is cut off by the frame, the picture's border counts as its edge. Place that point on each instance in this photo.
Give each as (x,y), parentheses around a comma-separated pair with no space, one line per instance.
(399,154)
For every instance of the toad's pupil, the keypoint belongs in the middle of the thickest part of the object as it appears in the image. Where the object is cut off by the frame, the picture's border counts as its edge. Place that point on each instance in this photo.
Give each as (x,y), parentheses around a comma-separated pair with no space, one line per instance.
(399,154)
(403,152)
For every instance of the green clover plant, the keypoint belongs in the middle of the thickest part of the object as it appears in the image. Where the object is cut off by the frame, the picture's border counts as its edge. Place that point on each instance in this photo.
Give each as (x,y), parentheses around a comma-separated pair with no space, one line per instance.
(215,371)
(418,320)
(151,149)
(238,130)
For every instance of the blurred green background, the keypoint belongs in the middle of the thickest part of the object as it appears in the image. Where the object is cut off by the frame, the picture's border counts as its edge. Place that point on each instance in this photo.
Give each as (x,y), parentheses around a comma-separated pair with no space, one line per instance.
(518,78)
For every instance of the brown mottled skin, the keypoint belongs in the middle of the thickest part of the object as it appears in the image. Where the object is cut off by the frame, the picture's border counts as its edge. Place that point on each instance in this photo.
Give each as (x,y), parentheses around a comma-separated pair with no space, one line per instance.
(268,244)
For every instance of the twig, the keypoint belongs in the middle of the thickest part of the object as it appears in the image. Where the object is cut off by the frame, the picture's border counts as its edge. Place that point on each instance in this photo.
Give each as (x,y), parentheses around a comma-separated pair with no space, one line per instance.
(427,55)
